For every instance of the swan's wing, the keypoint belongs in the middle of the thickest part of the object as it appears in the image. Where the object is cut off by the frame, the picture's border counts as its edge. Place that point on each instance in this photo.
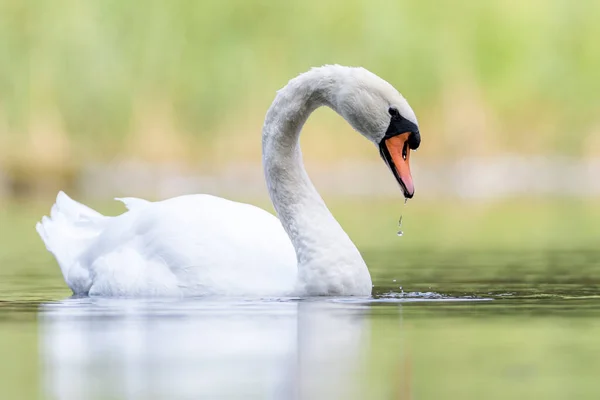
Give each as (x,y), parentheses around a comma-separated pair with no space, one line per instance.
(188,245)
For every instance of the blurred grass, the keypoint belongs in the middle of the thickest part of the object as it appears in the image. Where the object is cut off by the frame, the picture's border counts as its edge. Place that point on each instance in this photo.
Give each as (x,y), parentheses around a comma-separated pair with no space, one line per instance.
(185,80)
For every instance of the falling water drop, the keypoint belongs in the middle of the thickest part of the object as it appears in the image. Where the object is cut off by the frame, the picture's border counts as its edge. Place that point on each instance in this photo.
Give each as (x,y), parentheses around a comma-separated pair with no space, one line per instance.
(400,233)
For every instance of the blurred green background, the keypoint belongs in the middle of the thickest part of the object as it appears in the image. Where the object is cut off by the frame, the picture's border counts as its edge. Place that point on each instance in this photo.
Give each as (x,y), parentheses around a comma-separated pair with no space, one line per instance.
(190,81)
(507,94)
(155,99)
(96,94)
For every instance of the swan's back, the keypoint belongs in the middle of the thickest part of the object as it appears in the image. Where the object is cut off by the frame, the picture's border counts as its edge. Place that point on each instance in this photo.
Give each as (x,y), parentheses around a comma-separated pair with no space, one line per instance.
(188,245)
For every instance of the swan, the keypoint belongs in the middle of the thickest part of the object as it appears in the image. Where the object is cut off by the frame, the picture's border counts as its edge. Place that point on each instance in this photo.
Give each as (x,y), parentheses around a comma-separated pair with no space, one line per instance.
(199,245)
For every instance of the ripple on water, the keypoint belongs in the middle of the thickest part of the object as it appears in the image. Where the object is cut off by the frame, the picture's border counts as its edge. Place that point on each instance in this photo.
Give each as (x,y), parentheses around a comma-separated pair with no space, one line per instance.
(409,297)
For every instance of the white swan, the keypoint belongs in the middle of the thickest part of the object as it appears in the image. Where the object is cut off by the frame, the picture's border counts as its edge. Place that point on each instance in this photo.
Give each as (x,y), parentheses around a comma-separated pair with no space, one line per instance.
(204,245)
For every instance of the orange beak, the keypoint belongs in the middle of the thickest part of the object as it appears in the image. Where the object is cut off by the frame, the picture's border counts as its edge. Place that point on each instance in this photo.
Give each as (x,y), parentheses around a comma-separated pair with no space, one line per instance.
(396,153)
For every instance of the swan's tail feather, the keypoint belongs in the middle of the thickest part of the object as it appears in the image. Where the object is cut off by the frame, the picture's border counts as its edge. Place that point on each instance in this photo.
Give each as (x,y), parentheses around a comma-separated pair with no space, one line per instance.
(72,210)
(67,233)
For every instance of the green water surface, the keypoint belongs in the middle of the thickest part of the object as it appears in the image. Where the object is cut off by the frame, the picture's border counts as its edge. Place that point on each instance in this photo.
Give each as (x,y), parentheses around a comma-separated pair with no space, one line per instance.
(503,304)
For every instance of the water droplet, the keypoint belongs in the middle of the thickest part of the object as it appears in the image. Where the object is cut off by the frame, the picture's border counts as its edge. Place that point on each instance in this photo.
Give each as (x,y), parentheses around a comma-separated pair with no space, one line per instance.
(400,233)
(394,280)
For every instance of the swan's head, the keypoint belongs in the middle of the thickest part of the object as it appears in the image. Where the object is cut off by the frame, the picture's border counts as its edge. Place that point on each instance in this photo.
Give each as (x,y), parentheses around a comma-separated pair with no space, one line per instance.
(375,109)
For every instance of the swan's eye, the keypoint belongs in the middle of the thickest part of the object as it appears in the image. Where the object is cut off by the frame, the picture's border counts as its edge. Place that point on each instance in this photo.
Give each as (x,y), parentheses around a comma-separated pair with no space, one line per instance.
(393,112)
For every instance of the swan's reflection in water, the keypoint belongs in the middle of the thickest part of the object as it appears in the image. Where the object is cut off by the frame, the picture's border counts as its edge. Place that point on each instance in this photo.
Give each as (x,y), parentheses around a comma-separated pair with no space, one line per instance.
(101,348)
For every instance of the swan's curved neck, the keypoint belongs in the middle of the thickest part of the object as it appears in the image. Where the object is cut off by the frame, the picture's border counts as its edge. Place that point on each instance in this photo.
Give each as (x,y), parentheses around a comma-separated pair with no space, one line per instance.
(328,261)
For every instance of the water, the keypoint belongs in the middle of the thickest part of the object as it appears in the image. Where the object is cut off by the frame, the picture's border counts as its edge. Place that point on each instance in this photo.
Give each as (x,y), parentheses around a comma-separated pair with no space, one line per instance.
(467,325)
(400,233)
(478,301)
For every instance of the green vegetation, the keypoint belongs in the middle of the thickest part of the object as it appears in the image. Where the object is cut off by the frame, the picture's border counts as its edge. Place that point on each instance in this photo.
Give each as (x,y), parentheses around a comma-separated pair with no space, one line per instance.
(165,80)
